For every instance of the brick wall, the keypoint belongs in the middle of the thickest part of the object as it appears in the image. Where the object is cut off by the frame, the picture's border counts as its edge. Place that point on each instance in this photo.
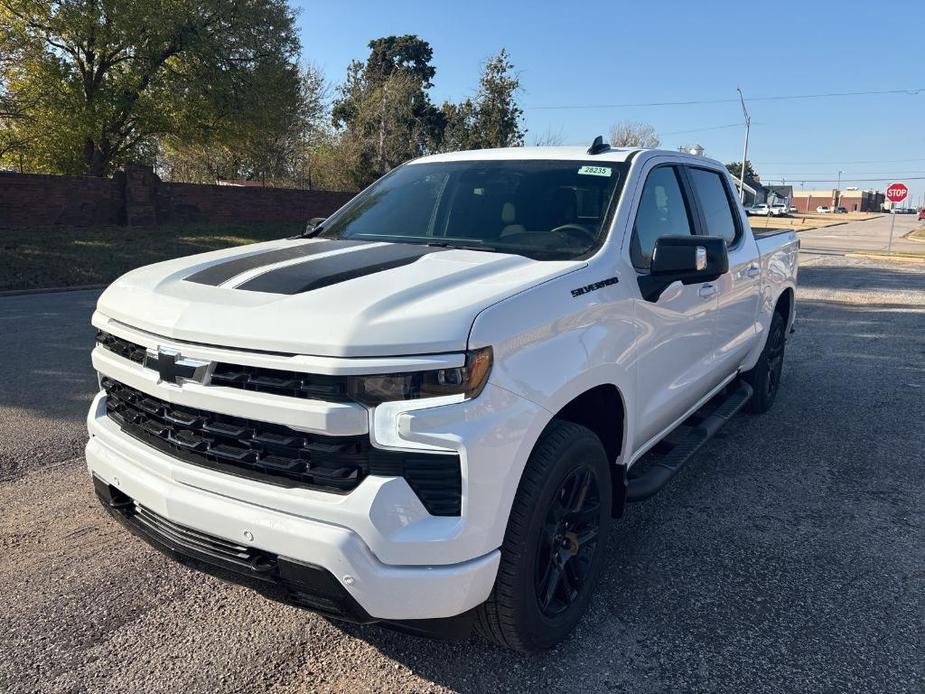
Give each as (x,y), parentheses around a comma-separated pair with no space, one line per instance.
(30,200)
(186,202)
(137,197)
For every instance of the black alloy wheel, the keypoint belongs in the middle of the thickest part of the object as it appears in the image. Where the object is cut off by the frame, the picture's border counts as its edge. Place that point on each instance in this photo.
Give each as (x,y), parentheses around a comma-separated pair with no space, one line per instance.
(568,542)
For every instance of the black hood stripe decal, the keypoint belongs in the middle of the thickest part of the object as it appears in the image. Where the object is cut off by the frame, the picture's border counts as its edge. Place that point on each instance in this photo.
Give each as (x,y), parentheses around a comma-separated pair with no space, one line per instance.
(215,275)
(323,272)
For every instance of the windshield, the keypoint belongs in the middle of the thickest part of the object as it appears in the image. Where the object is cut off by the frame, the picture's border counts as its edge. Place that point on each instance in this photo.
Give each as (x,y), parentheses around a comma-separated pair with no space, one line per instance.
(548,210)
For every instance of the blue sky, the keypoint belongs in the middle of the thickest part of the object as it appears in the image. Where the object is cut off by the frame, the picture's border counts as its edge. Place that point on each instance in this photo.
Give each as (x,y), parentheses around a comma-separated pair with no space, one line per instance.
(592,53)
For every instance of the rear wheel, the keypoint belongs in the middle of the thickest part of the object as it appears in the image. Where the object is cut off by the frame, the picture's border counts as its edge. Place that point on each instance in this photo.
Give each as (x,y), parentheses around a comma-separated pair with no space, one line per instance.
(765,377)
(554,544)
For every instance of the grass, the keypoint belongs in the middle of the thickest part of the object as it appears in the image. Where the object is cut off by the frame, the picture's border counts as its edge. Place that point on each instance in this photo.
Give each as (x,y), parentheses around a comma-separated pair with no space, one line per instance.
(70,257)
(918,234)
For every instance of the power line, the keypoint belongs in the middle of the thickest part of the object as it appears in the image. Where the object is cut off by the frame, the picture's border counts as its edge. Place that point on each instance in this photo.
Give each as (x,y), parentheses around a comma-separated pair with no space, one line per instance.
(798,174)
(696,102)
(850,180)
(699,130)
(840,163)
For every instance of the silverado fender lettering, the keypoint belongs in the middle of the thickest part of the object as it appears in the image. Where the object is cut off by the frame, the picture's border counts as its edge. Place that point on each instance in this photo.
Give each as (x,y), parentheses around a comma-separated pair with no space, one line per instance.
(595,286)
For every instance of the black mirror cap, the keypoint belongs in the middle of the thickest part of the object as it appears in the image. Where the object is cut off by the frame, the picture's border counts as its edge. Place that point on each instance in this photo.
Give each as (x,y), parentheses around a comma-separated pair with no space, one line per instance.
(685,259)
(678,256)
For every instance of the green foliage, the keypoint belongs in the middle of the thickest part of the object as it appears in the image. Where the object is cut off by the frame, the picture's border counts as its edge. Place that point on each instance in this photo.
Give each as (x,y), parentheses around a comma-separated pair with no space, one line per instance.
(735,168)
(99,82)
(205,90)
(493,118)
(384,109)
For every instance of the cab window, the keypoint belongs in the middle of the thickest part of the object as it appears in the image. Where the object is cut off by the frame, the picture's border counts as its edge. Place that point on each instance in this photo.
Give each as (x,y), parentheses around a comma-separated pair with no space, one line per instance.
(663,211)
(713,197)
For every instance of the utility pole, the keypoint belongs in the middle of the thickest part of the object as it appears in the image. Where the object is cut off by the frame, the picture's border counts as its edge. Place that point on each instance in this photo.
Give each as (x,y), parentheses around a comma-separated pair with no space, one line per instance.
(838,189)
(748,123)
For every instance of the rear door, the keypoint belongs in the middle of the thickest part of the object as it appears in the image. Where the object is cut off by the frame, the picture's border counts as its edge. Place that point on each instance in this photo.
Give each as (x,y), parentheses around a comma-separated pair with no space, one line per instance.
(677,340)
(739,289)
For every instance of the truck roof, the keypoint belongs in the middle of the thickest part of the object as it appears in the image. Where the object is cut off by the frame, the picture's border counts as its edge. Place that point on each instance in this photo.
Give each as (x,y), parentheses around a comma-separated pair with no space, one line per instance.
(572,153)
(565,153)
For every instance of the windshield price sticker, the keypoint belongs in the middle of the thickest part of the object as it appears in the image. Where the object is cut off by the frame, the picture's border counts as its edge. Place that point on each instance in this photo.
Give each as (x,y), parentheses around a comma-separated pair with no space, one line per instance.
(595,170)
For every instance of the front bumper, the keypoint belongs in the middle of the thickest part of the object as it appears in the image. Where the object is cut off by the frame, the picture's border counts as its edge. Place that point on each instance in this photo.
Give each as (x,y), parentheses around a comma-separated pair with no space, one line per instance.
(371,589)
(302,585)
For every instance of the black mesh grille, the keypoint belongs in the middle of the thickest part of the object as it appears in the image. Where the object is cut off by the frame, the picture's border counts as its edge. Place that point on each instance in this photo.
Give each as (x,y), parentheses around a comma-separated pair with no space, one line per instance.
(294,384)
(277,454)
(124,348)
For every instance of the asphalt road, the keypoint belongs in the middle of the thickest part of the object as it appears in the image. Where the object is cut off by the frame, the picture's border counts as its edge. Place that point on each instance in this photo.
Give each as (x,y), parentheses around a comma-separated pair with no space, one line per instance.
(872,235)
(788,556)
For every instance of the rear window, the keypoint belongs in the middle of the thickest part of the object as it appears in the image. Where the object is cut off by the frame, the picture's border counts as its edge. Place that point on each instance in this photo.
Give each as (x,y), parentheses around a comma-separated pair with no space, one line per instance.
(715,204)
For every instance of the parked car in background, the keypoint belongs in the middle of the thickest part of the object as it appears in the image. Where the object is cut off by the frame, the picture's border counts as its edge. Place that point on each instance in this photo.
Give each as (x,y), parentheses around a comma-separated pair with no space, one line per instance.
(792,210)
(841,210)
(761,210)
(779,210)
(824,209)
(921,213)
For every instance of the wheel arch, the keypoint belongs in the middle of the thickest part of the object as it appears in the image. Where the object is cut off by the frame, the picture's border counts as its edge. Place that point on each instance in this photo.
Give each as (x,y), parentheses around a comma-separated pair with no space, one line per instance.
(602,410)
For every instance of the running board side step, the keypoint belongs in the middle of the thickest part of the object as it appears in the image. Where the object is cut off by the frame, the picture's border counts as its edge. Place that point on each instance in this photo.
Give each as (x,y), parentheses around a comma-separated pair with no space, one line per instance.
(660,472)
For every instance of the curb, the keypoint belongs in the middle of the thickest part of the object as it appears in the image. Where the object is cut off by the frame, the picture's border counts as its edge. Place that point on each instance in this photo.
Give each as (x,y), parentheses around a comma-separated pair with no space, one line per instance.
(51,290)
(887,256)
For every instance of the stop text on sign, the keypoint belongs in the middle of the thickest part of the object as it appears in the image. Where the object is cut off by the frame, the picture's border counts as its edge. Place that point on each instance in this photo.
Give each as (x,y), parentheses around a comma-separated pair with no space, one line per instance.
(897,192)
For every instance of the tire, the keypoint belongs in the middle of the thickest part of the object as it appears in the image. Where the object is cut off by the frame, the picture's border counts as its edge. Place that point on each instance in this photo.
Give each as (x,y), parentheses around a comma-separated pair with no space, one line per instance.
(765,377)
(551,556)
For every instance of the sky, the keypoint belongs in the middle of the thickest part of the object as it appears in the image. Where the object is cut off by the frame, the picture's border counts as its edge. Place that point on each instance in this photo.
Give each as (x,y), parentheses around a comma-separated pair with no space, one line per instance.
(586,65)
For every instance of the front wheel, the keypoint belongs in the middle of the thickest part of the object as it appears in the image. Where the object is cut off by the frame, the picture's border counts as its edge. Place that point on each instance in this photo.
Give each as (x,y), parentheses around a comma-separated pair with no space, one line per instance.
(765,377)
(555,542)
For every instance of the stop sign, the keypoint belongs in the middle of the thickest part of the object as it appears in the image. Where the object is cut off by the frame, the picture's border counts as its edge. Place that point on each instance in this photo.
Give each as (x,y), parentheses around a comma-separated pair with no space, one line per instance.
(897,192)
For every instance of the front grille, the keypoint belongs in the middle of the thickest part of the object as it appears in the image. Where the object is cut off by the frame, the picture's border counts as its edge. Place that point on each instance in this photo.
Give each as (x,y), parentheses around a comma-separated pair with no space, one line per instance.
(279,455)
(293,384)
(124,348)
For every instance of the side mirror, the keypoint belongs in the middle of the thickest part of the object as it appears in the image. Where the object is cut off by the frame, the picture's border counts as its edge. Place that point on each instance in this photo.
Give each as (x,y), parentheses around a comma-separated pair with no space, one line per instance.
(685,259)
(312,226)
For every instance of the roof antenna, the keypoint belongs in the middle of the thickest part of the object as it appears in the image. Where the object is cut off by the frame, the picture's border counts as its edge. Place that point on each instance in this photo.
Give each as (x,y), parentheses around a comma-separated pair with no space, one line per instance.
(598,145)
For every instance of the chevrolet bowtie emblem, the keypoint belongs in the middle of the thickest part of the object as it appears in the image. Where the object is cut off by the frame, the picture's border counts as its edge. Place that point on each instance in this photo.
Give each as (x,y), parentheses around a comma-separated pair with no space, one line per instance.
(174,368)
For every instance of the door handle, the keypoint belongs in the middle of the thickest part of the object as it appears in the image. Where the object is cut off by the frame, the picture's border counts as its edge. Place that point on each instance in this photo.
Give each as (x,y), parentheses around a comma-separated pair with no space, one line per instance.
(707,290)
(753,271)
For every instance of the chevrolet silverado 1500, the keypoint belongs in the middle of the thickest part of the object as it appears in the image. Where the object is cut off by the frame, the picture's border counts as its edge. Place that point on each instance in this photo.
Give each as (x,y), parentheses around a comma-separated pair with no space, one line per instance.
(425,410)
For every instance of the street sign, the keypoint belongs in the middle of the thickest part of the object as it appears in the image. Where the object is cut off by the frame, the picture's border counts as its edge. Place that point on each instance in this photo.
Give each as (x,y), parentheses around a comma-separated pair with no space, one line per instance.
(897,192)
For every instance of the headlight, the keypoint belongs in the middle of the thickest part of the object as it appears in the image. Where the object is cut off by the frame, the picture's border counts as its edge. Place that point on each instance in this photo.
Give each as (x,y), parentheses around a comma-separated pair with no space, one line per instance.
(467,380)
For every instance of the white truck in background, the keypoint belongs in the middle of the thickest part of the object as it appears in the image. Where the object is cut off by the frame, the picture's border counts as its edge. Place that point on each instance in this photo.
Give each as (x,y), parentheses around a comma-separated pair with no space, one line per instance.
(427,410)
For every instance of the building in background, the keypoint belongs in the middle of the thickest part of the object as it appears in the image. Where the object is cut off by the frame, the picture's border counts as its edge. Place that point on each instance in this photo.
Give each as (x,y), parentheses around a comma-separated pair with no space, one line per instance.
(851,200)
(782,195)
(755,193)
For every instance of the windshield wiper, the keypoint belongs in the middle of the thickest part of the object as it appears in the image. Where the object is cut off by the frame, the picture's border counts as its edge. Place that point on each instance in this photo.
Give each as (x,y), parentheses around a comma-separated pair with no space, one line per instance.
(462,246)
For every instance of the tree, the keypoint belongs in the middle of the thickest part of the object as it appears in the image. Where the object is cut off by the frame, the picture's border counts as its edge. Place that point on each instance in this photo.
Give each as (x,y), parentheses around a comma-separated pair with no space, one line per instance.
(104,80)
(498,118)
(493,118)
(633,134)
(549,138)
(384,109)
(735,168)
(272,141)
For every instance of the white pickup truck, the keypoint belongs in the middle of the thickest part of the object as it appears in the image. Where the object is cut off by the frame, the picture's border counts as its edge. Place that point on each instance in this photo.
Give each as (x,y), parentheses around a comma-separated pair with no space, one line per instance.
(427,409)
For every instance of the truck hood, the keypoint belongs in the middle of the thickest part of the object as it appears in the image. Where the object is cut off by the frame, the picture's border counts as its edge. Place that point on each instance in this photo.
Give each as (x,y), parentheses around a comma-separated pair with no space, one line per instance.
(324,297)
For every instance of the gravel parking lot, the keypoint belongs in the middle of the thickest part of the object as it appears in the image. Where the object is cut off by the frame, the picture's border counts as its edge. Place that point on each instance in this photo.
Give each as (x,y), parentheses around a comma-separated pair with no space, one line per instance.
(789,556)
